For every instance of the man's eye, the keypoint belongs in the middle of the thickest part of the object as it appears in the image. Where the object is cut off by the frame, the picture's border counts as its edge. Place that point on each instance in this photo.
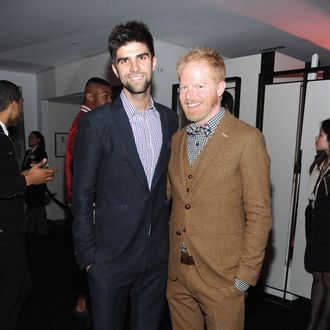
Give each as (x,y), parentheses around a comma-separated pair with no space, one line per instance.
(183,88)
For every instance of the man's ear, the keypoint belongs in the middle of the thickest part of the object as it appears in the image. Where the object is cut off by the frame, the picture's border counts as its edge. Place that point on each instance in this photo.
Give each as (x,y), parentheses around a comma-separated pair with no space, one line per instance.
(154,63)
(89,97)
(114,69)
(13,105)
(221,88)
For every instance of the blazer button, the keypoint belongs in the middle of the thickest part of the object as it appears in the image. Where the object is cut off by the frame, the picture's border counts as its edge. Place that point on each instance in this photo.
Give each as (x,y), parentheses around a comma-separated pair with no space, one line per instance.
(190,176)
(178,233)
(188,189)
(187,206)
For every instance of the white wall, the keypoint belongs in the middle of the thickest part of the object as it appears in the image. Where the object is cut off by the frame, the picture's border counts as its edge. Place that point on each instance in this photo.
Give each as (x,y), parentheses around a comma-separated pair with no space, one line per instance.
(71,78)
(60,117)
(248,68)
(285,62)
(165,74)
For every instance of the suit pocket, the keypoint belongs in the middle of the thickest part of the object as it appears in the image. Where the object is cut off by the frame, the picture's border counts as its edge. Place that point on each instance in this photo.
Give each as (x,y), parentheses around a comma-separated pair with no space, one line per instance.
(230,213)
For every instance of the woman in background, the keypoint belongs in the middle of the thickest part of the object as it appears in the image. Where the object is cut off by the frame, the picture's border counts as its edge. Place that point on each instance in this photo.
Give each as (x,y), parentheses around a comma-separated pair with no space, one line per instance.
(317,259)
(36,216)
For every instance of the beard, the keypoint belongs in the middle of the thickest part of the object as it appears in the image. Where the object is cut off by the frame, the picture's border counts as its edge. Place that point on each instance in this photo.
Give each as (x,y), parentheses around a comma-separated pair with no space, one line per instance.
(137,89)
(204,112)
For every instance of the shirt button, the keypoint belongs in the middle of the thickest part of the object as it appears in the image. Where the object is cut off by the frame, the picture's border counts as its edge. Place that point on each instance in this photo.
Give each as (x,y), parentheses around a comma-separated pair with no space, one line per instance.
(190,176)
(187,206)
(178,233)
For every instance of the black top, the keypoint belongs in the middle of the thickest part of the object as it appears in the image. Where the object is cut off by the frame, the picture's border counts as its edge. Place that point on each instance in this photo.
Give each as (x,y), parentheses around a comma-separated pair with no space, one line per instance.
(12,189)
(35,195)
(318,228)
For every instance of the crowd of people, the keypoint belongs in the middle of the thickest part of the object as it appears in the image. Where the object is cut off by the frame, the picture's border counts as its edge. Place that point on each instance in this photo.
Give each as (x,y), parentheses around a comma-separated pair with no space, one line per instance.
(160,215)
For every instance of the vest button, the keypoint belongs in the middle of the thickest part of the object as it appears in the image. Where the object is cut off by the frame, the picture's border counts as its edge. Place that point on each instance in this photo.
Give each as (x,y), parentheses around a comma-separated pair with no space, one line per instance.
(187,206)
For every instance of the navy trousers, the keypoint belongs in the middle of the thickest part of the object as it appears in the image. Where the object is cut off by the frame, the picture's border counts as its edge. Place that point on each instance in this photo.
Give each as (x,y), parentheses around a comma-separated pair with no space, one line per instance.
(140,288)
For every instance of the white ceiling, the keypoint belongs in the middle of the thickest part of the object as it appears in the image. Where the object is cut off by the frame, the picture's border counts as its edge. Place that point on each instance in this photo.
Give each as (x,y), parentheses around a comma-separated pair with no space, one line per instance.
(38,34)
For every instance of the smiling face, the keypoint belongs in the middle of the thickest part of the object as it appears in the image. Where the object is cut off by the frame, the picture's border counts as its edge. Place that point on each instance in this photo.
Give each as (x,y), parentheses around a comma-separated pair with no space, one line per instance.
(200,94)
(134,66)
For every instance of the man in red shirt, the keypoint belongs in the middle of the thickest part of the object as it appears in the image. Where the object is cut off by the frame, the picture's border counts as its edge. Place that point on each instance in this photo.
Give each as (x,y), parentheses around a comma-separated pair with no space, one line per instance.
(97,93)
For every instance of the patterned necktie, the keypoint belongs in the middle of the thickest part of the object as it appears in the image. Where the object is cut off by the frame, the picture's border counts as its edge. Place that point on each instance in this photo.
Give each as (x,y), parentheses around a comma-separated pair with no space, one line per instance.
(193,129)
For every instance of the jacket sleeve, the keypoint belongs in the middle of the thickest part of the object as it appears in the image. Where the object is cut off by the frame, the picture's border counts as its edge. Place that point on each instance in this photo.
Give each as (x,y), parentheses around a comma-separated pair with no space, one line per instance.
(87,156)
(12,183)
(255,178)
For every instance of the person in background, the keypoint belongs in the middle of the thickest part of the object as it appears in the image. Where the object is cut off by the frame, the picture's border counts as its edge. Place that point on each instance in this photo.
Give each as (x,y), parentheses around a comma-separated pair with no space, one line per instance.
(97,92)
(120,163)
(227,101)
(36,215)
(317,260)
(219,182)
(15,283)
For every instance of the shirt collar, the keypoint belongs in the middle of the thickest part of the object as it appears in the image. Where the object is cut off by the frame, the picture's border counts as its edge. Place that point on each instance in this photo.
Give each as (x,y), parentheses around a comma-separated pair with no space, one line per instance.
(214,121)
(84,108)
(4,128)
(130,109)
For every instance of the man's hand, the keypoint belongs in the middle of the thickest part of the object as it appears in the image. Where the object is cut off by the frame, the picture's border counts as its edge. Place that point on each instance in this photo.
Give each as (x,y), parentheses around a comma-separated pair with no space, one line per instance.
(39,175)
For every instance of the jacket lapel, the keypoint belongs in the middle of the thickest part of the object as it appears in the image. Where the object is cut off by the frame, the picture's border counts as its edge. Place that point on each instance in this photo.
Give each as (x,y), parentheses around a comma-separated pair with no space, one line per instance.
(179,153)
(213,146)
(127,140)
(163,155)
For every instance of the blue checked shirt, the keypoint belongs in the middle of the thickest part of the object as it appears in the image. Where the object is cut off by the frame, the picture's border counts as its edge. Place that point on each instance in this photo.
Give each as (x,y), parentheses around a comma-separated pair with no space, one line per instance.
(147,131)
(196,143)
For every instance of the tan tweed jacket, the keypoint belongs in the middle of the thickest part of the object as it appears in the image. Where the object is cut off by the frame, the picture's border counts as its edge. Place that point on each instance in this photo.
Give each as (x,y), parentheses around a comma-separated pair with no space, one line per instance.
(221,206)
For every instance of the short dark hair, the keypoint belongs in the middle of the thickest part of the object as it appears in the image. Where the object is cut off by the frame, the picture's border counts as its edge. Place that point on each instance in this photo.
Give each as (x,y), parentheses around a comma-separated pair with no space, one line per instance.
(324,154)
(97,81)
(132,31)
(41,138)
(227,101)
(9,92)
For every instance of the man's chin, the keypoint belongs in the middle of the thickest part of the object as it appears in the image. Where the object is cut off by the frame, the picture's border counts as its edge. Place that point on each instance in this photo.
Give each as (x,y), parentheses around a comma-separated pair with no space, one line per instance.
(138,89)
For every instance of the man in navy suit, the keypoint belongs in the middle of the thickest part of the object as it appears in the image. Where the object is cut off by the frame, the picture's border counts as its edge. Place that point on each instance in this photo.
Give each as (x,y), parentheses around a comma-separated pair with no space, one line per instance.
(121,156)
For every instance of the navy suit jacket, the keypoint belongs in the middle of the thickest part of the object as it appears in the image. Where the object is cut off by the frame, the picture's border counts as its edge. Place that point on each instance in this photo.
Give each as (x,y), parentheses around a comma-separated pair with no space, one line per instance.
(107,169)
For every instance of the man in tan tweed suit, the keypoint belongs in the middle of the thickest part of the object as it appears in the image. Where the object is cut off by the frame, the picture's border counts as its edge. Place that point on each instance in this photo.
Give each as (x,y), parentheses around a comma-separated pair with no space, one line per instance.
(221,211)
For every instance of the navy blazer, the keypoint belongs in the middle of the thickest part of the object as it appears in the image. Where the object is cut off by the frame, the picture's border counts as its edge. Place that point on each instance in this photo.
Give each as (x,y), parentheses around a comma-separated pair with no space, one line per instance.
(107,169)
(12,189)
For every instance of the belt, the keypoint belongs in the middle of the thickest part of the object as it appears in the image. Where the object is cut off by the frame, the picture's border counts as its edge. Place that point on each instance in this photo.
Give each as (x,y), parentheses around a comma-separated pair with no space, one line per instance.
(187,259)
